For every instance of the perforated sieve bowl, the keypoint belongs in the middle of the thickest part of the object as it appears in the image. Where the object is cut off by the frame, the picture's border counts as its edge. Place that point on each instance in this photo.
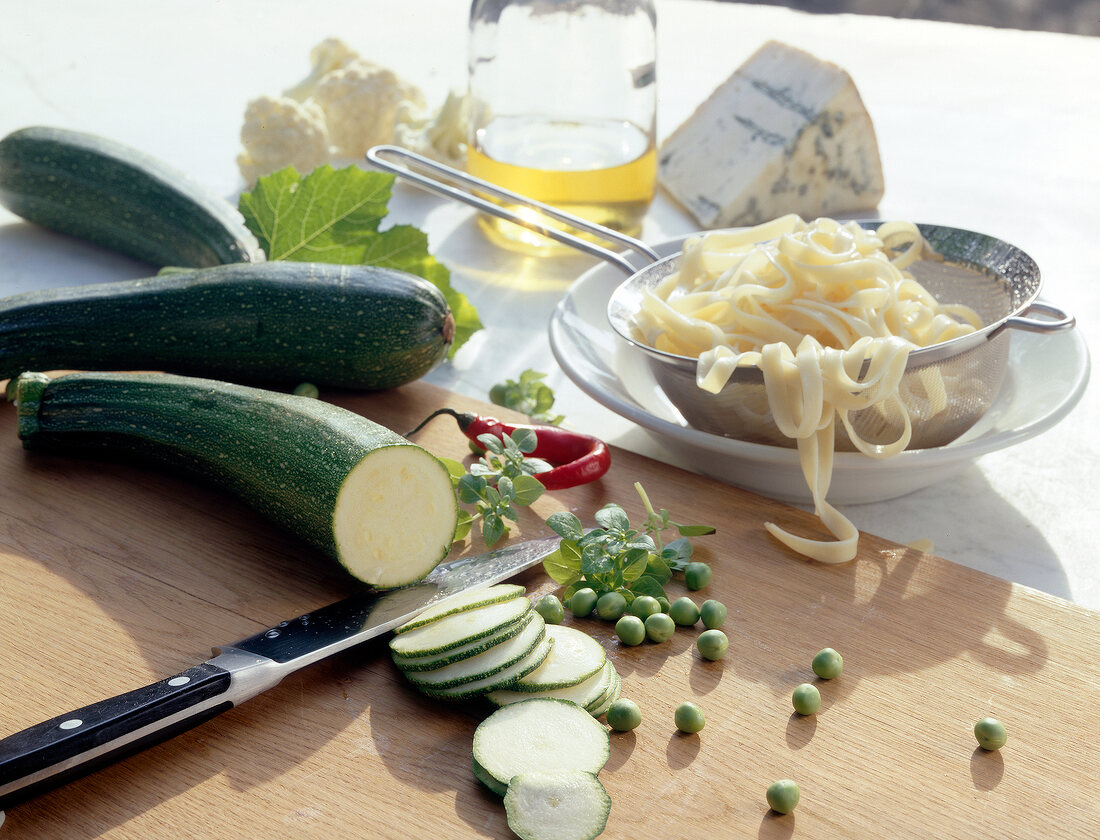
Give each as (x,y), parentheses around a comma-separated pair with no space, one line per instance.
(996,279)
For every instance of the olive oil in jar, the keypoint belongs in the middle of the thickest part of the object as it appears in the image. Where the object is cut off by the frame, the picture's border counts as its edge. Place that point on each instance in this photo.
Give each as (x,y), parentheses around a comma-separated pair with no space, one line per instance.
(563,110)
(604,172)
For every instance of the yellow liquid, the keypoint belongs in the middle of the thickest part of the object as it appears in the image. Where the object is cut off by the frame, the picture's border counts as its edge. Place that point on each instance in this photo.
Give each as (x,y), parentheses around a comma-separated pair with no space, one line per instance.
(605,173)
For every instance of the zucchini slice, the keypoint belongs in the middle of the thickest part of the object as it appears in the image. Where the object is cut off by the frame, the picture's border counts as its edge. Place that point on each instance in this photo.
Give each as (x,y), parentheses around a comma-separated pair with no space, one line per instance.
(540,734)
(470,690)
(575,658)
(558,805)
(614,692)
(438,660)
(492,661)
(382,506)
(119,197)
(460,603)
(586,693)
(460,629)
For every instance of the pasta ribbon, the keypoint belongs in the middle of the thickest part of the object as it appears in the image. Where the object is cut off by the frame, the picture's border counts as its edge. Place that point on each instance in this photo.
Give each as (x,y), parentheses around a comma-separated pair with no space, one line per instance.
(829,312)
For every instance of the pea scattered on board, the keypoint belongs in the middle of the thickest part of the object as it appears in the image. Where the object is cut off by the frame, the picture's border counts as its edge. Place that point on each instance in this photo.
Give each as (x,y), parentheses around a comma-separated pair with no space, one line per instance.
(624,715)
(991,733)
(551,609)
(583,602)
(659,627)
(783,796)
(630,629)
(713,614)
(806,699)
(712,645)
(827,664)
(689,718)
(684,612)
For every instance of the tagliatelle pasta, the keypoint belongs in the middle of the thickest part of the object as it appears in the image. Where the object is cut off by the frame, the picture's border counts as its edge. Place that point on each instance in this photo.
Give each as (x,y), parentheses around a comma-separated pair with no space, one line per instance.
(829,314)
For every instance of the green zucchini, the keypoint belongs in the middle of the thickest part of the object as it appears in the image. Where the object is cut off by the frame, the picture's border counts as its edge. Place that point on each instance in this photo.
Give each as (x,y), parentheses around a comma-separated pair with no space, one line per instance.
(382,506)
(116,196)
(274,323)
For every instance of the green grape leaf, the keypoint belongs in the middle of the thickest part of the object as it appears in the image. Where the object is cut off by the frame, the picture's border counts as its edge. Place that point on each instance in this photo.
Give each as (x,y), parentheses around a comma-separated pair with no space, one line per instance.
(333,216)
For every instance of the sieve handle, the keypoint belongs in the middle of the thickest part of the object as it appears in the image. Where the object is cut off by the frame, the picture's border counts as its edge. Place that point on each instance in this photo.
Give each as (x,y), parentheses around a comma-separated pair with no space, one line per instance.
(1061,319)
(472,187)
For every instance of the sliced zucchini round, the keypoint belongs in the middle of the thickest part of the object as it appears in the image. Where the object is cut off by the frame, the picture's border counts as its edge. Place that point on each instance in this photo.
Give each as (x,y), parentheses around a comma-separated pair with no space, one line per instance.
(540,734)
(558,805)
(492,661)
(460,629)
(575,658)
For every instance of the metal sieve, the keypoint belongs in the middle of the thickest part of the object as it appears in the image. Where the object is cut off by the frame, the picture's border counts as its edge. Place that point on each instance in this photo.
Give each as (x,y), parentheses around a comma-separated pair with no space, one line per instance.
(946,388)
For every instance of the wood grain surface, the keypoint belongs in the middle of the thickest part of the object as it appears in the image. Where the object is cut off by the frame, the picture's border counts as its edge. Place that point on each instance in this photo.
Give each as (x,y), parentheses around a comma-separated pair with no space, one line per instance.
(114,576)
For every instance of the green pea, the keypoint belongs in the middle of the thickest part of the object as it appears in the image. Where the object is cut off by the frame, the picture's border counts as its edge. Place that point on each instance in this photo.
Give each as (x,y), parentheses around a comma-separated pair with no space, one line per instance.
(624,715)
(827,664)
(806,699)
(713,614)
(684,612)
(659,627)
(689,717)
(783,796)
(644,606)
(583,602)
(663,601)
(306,389)
(611,605)
(697,575)
(550,608)
(991,733)
(630,629)
(712,644)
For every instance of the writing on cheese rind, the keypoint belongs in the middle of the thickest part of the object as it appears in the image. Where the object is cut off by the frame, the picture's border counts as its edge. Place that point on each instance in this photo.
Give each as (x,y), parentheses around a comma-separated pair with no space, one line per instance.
(786,133)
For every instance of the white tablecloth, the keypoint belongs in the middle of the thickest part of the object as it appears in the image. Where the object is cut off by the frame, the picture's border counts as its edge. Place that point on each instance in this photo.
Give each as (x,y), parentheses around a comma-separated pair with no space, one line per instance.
(991,130)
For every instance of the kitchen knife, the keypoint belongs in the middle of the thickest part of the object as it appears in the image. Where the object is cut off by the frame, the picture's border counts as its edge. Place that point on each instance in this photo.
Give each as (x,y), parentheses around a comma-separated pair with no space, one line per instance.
(66,747)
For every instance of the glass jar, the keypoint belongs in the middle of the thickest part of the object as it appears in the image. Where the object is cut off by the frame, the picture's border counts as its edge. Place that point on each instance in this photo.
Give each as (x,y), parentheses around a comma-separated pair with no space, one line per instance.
(563,102)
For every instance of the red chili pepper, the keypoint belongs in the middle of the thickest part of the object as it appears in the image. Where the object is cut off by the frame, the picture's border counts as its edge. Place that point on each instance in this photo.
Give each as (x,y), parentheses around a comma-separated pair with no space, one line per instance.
(576,458)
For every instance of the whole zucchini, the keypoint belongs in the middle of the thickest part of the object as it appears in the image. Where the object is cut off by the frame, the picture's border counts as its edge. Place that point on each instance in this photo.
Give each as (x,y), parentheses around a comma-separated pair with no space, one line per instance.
(257,323)
(116,196)
(382,506)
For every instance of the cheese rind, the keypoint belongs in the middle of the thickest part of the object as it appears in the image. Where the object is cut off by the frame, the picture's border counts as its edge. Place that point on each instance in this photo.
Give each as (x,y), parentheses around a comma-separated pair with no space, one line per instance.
(786,133)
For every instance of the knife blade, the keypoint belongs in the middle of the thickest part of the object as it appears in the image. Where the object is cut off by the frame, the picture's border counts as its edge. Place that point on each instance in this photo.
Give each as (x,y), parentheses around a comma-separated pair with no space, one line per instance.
(59,750)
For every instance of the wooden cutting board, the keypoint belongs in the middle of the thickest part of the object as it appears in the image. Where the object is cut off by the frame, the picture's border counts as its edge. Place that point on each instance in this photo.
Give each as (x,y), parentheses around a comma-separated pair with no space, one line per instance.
(112,577)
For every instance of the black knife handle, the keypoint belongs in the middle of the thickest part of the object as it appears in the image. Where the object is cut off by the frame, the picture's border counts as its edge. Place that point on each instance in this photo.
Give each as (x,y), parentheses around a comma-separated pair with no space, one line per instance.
(56,751)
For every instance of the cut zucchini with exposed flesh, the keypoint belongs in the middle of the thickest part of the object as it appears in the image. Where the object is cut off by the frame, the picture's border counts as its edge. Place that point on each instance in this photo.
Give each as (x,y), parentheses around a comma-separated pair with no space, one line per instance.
(540,734)
(382,506)
(485,664)
(575,658)
(557,805)
(460,603)
(586,693)
(438,660)
(460,629)
(470,690)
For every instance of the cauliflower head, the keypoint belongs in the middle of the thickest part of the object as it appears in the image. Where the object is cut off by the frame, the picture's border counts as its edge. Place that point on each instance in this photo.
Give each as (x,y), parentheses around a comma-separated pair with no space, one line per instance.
(441,136)
(279,132)
(360,102)
(328,56)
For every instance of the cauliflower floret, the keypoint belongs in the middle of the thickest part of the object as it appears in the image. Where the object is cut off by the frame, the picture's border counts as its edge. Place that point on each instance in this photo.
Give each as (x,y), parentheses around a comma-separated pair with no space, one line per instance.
(360,102)
(441,136)
(279,132)
(329,55)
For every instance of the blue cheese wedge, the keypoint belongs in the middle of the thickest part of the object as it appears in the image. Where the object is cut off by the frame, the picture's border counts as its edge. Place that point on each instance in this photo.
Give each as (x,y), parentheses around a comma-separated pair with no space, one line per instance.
(786,133)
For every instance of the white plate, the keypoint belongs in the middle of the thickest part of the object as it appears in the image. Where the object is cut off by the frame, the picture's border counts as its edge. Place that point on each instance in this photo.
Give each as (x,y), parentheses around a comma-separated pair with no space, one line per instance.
(1046,378)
